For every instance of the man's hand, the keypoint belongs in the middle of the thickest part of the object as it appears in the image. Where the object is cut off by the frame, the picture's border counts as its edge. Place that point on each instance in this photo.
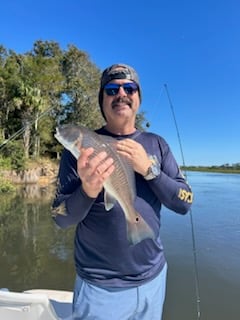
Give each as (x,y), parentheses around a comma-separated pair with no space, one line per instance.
(137,155)
(93,171)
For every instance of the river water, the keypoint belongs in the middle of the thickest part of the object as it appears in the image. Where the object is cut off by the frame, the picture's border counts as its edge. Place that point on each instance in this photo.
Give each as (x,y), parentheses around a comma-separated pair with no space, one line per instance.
(34,253)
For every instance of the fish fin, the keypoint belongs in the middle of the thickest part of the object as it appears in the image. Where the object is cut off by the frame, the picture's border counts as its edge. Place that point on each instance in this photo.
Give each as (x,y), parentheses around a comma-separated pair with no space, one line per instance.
(109,201)
(139,230)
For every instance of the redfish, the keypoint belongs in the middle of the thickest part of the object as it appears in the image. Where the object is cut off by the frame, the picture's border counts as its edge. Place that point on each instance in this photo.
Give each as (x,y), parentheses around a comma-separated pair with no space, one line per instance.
(119,186)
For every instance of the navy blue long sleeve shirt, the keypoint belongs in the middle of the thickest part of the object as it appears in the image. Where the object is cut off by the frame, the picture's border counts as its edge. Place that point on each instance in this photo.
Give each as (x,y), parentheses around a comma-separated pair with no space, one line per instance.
(102,253)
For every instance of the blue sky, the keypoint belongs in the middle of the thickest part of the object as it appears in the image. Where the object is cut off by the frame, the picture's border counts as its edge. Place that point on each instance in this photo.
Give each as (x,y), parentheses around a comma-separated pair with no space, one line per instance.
(192,46)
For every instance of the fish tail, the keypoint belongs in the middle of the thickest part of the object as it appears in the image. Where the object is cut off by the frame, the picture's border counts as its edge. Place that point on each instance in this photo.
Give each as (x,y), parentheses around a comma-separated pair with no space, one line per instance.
(139,230)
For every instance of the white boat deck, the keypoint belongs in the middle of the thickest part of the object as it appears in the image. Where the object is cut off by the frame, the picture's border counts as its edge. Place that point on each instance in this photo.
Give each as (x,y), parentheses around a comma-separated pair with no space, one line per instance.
(37,304)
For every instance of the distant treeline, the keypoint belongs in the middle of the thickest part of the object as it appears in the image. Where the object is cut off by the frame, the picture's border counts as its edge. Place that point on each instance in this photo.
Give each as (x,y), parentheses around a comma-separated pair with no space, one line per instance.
(225,168)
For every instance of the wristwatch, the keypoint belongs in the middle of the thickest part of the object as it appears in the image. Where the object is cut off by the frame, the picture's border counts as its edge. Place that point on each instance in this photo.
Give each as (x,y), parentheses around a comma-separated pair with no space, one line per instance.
(154,169)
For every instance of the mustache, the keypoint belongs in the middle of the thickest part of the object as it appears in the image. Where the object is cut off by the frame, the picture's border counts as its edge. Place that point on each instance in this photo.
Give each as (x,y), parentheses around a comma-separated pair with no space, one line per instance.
(118,100)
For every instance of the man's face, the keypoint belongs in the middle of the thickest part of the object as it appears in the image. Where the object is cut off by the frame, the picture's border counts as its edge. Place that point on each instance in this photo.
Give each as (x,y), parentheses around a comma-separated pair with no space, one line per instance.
(120,100)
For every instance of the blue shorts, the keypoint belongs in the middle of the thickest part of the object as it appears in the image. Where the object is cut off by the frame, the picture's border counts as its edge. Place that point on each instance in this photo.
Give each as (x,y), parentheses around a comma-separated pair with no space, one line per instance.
(144,302)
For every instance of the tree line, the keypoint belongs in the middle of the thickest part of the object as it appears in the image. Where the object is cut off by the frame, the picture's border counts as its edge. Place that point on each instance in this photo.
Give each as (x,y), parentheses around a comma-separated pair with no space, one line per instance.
(225,168)
(41,89)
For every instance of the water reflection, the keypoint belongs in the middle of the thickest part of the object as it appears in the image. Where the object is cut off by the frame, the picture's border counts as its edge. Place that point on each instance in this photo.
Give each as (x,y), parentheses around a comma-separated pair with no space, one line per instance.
(35,253)
(216,218)
(35,192)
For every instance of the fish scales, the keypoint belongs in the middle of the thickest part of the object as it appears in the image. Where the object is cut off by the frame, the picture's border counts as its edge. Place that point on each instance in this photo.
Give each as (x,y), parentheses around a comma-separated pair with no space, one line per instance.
(119,186)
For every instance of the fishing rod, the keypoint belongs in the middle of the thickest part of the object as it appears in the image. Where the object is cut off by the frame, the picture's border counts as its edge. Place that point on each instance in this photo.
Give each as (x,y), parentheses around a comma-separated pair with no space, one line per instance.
(21,131)
(197,290)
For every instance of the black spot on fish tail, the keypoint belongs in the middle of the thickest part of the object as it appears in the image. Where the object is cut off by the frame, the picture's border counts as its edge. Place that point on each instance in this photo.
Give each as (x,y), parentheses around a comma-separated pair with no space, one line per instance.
(139,230)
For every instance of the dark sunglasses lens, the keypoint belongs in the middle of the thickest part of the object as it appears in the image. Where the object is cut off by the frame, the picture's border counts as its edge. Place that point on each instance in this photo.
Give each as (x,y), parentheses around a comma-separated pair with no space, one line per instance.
(112,89)
(130,88)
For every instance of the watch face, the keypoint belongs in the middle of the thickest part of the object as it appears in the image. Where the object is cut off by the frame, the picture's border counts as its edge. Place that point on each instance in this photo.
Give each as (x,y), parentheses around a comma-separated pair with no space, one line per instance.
(155,169)
(155,166)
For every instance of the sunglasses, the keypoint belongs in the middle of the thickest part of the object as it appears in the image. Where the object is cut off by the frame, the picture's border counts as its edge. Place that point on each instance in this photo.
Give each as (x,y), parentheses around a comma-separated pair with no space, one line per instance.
(112,89)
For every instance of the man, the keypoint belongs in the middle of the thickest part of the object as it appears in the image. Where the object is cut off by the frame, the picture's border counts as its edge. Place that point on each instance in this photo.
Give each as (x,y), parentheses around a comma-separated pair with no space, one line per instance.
(116,280)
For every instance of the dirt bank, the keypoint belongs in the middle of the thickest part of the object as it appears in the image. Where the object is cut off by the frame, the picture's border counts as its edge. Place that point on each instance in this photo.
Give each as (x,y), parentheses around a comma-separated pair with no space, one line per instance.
(42,172)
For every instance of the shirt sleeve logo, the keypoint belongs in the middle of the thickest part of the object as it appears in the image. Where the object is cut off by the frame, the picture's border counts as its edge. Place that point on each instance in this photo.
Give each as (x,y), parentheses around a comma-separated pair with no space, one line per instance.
(185,195)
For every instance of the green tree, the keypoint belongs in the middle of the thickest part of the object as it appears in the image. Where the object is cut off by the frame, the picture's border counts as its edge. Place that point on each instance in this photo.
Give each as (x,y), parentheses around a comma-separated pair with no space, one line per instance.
(9,81)
(141,121)
(81,90)
(29,101)
(43,68)
(43,88)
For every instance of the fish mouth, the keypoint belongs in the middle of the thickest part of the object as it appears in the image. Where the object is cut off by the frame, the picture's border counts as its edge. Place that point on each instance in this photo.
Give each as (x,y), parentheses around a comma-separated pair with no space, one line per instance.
(69,133)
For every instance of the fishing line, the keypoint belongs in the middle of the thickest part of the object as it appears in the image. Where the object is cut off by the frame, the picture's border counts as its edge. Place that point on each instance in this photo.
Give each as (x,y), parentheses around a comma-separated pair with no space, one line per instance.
(197,291)
(21,131)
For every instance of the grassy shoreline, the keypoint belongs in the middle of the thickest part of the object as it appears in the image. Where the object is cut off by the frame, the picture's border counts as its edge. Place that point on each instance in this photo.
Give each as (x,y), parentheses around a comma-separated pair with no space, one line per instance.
(212,169)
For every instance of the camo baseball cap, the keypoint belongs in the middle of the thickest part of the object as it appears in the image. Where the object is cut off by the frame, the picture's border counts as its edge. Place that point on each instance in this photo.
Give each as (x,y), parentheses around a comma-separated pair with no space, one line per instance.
(117,71)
